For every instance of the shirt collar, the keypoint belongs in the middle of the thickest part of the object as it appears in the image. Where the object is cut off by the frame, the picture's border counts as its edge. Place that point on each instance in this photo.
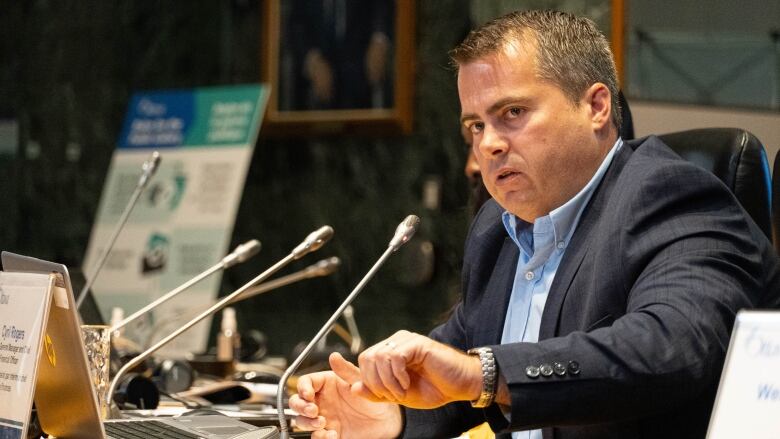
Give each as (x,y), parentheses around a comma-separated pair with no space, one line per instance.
(563,219)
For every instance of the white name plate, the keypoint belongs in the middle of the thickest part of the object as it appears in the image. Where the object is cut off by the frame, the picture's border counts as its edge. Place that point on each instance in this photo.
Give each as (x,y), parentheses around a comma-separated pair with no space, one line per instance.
(748,401)
(24,307)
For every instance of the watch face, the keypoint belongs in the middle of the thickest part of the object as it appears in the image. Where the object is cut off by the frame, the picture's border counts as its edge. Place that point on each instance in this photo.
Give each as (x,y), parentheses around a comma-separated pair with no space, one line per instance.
(175,376)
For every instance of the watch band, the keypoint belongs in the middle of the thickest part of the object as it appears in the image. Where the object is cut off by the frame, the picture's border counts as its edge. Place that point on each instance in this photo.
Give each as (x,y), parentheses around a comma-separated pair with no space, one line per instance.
(489,376)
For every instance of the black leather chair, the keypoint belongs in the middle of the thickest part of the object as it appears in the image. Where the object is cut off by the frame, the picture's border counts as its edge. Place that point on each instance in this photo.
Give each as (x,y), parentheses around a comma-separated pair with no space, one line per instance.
(739,160)
(776,202)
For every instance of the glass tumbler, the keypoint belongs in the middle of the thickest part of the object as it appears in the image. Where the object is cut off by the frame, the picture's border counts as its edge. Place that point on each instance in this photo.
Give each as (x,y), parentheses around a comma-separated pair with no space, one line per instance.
(97,343)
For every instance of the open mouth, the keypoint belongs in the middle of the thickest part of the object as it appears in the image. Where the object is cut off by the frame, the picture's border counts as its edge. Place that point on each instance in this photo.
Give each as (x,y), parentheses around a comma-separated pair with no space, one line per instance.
(506,174)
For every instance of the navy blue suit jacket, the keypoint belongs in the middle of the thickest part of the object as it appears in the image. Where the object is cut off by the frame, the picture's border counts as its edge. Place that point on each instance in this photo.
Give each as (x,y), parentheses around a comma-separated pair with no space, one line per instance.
(638,317)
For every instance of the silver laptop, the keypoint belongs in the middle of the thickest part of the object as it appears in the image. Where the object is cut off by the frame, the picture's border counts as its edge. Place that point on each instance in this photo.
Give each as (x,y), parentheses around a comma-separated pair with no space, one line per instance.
(65,399)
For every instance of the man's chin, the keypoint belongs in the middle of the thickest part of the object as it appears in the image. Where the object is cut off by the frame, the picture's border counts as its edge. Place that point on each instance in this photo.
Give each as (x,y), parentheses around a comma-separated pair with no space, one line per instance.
(519,206)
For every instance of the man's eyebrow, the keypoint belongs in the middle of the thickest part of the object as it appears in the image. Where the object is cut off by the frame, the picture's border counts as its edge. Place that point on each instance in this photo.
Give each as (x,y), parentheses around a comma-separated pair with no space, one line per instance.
(506,101)
(467,117)
(496,106)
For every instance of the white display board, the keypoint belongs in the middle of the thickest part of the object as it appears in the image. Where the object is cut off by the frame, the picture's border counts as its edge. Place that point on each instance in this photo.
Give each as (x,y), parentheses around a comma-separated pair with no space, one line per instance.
(183,221)
(748,401)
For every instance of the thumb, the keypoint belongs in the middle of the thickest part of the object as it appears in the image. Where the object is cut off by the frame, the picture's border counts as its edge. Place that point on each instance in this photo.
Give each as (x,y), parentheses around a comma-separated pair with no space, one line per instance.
(343,368)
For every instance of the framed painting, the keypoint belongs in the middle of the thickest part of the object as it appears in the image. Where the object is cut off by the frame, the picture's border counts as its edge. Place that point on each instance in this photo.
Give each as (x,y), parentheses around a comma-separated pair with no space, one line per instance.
(338,66)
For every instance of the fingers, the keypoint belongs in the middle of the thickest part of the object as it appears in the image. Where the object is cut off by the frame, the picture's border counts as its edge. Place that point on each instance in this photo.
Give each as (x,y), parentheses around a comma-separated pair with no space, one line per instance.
(343,368)
(352,375)
(308,413)
(360,389)
(309,385)
(383,368)
(310,424)
(398,365)
(303,407)
(304,404)
(324,434)
(389,380)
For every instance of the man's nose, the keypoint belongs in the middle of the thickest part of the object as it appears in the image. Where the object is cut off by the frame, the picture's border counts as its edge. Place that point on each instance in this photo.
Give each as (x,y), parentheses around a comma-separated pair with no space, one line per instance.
(492,143)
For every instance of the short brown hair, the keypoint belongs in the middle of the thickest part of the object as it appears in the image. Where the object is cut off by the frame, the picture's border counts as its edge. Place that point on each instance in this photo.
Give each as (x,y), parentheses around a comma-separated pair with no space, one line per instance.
(571,52)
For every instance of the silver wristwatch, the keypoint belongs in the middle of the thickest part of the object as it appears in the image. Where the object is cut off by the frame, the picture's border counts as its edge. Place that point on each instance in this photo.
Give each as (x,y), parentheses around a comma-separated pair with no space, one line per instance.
(489,376)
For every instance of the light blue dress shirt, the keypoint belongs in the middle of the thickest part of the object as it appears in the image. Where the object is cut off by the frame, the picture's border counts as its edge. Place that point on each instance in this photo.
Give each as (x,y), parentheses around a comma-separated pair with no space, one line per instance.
(542,245)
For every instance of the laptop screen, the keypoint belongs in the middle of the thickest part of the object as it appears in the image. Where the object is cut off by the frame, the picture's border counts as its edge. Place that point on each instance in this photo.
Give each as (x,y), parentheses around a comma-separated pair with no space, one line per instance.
(64,397)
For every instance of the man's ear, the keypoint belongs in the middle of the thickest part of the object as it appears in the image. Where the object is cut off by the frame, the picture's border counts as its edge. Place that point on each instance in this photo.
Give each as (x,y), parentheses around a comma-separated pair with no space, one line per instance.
(599,101)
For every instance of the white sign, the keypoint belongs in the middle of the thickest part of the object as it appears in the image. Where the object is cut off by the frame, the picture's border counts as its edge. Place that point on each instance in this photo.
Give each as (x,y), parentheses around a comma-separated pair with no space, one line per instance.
(748,401)
(183,221)
(24,308)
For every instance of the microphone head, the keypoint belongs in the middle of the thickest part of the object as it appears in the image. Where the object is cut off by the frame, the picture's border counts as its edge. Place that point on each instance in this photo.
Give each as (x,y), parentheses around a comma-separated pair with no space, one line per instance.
(149,168)
(242,253)
(248,249)
(313,242)
(151,165)
(404,231)
(324,267)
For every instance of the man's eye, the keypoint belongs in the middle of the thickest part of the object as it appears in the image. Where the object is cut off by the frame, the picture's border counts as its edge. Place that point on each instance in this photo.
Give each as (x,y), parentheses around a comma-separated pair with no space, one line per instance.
(514,112)
(476,127)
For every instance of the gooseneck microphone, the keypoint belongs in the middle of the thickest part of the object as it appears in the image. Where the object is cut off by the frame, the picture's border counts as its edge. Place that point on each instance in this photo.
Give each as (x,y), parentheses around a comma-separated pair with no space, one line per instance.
(149,168)
(324,267)
(242,253)
(313,242)
(403,233)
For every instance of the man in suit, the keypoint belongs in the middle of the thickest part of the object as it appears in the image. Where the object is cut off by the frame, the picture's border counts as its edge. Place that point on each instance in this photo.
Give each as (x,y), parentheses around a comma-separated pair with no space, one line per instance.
(600,284)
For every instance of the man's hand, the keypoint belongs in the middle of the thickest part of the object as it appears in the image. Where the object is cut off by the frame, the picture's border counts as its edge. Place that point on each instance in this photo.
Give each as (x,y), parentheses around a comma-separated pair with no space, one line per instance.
(418,372)
(328,408)
(318,71)
(376,58)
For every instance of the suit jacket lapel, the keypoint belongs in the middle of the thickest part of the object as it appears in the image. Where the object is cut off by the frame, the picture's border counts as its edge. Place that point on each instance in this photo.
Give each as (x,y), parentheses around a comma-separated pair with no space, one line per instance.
(578,247)
(499,288)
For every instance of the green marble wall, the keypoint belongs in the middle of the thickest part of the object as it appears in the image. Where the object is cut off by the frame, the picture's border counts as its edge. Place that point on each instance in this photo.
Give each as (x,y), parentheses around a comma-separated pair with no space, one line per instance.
(68,67)
(67,70)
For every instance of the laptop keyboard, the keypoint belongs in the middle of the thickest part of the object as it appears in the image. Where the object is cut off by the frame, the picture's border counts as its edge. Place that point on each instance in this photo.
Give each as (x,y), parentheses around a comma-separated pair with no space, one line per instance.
(146,429)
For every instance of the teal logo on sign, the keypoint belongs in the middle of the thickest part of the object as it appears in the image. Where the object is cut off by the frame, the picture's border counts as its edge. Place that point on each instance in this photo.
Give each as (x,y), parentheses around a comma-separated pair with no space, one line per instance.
(167,193)
(156,254)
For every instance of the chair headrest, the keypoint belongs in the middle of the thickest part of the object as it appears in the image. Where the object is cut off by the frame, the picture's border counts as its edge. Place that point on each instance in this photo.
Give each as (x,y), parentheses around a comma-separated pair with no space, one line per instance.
(735,156)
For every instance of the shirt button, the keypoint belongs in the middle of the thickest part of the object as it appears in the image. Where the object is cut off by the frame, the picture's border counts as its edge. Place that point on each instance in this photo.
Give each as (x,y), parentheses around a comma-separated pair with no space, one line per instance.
(529,275)
(561,245)
(574,367)
(546,370)
(559,369)
(532,371)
